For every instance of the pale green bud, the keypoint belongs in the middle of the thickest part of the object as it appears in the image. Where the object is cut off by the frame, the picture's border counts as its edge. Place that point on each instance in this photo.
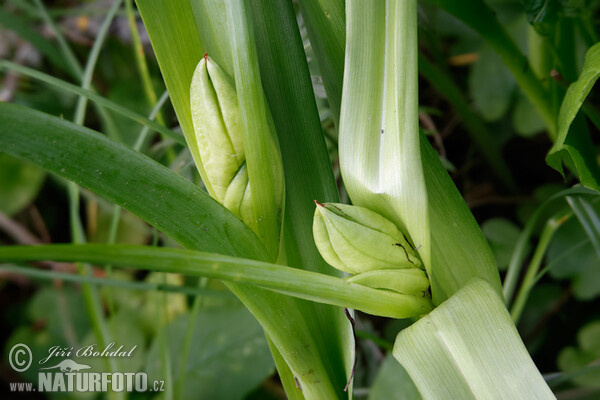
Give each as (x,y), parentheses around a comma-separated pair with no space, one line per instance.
(355,240)
(217,125)
(219,136)
(412,281)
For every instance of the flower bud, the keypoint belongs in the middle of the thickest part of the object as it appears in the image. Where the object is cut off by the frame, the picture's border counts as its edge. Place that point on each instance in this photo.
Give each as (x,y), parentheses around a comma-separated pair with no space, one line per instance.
(217,125)
(355,240)
(412,281)
(220,139)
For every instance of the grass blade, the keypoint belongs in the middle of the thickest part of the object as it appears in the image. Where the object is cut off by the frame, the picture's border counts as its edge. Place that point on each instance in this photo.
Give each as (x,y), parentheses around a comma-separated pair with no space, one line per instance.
(63,85)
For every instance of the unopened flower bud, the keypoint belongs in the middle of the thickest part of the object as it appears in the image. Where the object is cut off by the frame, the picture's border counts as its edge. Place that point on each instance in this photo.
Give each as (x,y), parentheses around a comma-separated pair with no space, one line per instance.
(217,125)
(356,240)
(412,281)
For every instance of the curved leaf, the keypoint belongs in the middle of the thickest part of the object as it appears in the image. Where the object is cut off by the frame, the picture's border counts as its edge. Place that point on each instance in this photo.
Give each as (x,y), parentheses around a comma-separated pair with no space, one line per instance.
(572,145)
(290,281)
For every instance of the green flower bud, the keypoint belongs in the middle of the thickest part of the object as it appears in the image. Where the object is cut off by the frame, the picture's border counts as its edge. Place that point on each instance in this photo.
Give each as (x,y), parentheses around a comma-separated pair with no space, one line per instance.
(412,281)
(355,240)
(217,125)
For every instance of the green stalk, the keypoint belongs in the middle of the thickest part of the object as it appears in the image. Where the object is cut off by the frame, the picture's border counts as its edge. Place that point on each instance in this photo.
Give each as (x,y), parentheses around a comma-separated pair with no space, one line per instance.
(278,278)
(479,16)
(62,43)
(534,266)
(478,131)
(117,283)
(140,60)
(187,343)
(379,145)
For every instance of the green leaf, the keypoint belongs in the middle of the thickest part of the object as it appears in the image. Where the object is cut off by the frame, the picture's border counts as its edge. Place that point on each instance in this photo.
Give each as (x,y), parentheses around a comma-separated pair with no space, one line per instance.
(491,85)
(571,145)
(69,87)
(229,346)
(573,359)
(469,348)
(20,183)
(290,281)
(176,207)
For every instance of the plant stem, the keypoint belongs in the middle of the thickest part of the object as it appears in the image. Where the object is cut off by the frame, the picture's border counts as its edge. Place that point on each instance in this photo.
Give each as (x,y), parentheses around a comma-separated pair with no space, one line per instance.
(534,266)
(189,335)
(281,279)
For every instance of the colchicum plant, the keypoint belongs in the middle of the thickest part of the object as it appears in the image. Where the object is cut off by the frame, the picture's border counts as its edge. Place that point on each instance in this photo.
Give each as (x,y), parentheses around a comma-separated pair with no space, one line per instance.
(266,218)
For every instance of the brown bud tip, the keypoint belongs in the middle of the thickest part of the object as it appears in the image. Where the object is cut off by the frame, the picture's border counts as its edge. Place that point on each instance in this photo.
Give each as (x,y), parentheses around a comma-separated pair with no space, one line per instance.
(319,204)
(205,56)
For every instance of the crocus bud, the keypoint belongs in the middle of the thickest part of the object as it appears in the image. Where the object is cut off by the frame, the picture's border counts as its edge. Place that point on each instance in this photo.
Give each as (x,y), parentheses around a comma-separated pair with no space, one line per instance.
(217,125)
(412,281)
(356,240)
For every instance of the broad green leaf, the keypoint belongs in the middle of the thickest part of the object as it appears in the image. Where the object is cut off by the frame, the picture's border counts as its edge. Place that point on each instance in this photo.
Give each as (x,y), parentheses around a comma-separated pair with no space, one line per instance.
(229,347)
(380,156)
(491,85)
(573,359)
(574,146)
(173,205)
(291,281)
(20,183)
(393,383)
(469,348)
(459,249)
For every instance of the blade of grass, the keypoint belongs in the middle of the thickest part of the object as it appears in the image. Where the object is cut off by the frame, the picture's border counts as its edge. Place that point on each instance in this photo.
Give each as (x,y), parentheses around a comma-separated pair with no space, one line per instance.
(531,275)
(115,283)
(140,60)
(19,25)
(63,85)
(545,211)
(588,218)
(286,280)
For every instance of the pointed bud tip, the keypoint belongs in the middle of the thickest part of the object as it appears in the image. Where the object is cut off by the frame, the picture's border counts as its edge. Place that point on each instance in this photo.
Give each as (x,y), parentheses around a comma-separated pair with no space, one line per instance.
(319,204)
(205,56)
